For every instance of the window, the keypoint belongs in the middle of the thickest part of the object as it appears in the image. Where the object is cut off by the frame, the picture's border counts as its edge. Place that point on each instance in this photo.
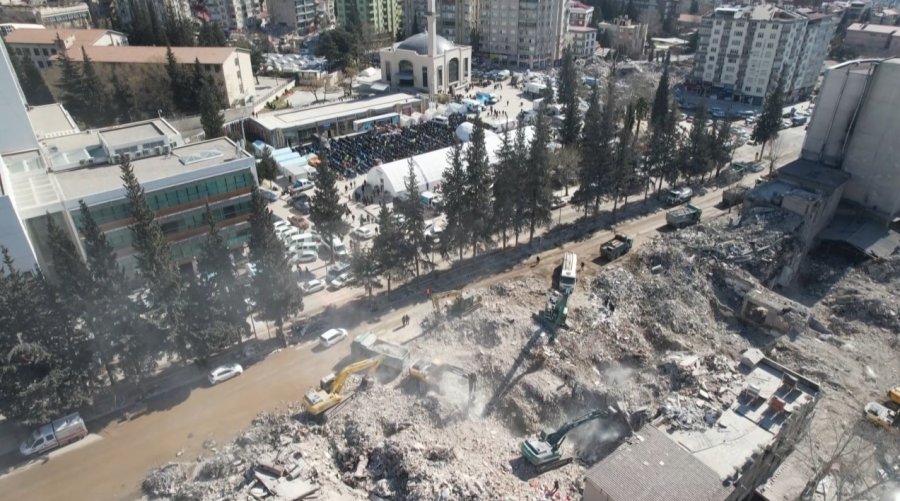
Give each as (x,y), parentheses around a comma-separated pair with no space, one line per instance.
(46,52)
(218,68)
(424,76)
(466,67)
(387,70)
(37,52)
(53,51)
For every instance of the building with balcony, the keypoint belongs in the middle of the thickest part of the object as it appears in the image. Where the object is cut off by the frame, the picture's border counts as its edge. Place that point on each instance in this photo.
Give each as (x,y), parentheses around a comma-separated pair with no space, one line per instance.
(42,46)
(235,15)
(48,165)
(456,19)
(582,36)
(304,16)
(742,52)
(624,35)
(382,15)
(524,33)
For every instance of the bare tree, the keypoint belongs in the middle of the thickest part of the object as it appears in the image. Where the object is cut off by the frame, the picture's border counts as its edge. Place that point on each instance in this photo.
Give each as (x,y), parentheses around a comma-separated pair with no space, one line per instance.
(775,149)
(314,85)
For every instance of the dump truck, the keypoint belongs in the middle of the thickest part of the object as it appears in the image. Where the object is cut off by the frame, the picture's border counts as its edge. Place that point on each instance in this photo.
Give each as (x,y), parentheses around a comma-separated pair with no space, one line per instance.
(685,215)
(368,345)
(616,247)
(677,196)
(57,433)
(734,195)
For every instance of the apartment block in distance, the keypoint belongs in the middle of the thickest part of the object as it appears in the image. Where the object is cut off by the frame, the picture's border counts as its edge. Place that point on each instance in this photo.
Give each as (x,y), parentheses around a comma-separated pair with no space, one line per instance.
(42,46)
(48,165)
(625,35)
(873,40)
(235,15)
(72,15)
(383,15)
(229,66)
(743,51)
(300,15)
(455,18)
(525,33)
(582,36)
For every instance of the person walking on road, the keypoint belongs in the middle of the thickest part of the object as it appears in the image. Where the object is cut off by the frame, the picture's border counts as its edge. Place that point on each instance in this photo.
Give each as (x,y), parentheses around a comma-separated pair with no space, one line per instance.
(428,293)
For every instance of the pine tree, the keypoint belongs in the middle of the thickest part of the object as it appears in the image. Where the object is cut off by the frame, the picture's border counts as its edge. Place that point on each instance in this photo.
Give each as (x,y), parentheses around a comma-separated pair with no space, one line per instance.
(387,253)
(325,209)
(33,85)
(661,99)
(568,97)
(154,261)
(722,145)
(179,30)
(70,84)
(478,190)
(413,226)
(520,201)
(504,192)
(698,152)
(141,32)
(266,168)
(115,322)
(195,87)
(590,149)
(662,152)
(214,299)
(66,268)
(622,174)
(157,26)
(204,35)
(181,94)
(122,100)
(211,117)
(455,235)
(604,162)
(365,267)
(218,35)
(93,93)
(769,122)
(274,286)
(537,179)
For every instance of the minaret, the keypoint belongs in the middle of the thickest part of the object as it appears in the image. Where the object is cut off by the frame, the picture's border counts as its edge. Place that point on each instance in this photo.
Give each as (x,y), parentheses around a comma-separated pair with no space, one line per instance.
(432,28)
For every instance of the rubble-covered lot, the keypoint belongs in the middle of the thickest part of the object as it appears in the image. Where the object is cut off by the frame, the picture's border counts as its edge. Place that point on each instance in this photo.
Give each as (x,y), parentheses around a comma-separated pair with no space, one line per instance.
(656,333)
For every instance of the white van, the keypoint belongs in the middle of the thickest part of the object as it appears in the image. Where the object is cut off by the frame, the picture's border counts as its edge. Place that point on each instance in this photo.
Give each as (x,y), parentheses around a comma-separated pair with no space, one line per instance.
(567,278)
(472,105)
(337,247)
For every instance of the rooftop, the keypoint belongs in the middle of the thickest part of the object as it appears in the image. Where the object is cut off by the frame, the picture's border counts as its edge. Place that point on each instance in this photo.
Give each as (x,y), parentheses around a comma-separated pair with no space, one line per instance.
(884,29)
(761,12)
(581,29)
(130,133)
(51,119)
(812,175)
(651,466)
(576,6)
(48,36)
(156,55)
(79,183)
(315,114)
(419,44)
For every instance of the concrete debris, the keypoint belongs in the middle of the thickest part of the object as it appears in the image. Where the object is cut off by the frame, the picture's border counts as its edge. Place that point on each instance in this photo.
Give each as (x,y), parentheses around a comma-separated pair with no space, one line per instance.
(656,334)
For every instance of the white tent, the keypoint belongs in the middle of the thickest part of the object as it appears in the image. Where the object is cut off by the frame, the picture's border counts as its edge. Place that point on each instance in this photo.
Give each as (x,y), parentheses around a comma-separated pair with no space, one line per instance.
(464,131)
(429,167)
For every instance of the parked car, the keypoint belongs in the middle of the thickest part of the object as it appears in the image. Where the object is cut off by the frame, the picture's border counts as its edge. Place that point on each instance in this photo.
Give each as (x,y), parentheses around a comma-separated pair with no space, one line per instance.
(332,337)
(269,195)
(299,222)
(302,185)
(224,373)
(557,202)
(311,286)
(303,256)
(301,206)
(56,433)
(363,233)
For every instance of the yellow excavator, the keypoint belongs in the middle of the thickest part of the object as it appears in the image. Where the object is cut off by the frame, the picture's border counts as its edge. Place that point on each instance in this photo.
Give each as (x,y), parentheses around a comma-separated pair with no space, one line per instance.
(462,304)
(318,402)
(885,414)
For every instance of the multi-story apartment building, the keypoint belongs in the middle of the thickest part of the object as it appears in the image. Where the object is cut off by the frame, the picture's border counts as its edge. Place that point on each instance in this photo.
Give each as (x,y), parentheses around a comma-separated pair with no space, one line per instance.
(48,165)
(743,51)
(233,14)
(527,33)
(74,15)
(873,39)
(456,19)
(42,46)
(123,8)
(383,15)
(625,35)
(301,15)
(582,36)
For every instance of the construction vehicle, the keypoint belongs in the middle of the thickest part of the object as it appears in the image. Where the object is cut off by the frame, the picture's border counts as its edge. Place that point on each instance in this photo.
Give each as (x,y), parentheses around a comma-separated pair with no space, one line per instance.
(568,273)
(734,195)
(319,402)
(432,372)
(616,247)
(463,304)
(556,310)
(544,454)
(368,345)
(683,216)
(885,414)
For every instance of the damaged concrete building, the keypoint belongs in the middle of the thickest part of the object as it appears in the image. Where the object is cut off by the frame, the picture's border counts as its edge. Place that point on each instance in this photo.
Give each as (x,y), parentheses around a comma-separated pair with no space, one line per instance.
(727,461)
(843,188)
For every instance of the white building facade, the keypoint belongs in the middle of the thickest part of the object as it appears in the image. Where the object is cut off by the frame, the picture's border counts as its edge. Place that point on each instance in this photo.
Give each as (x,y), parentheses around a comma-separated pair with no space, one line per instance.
(427,62)
(582,37)
(42,46)
(742,52)
(526,33)
(235,15)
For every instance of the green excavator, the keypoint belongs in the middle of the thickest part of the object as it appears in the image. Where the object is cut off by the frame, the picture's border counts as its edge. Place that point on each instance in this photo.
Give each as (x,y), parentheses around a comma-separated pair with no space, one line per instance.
(544,453)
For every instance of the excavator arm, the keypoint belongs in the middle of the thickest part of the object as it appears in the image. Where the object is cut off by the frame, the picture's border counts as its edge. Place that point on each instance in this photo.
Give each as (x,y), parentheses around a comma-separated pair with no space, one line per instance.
(362,365)
(556,438)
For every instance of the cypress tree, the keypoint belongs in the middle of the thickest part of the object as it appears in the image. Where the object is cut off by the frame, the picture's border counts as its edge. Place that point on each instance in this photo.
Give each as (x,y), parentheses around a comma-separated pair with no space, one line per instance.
(455,235)
(325,209)
(661,98)
(96,110)
(388,254)
(33,85)
(538,178)
(590,149)
(769,122)
(122,100)
(504,192)
(70,84)
(478,190)
(413,227)
(266,168)
(154,261)
(568,84)
(274,286)
(211,117)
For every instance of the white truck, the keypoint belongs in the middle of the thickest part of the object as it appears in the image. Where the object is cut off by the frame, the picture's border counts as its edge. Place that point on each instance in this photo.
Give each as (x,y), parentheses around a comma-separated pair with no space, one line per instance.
(57,433)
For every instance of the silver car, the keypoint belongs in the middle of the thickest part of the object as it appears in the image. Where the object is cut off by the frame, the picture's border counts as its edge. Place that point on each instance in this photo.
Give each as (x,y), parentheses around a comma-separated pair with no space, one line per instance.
(224,373)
